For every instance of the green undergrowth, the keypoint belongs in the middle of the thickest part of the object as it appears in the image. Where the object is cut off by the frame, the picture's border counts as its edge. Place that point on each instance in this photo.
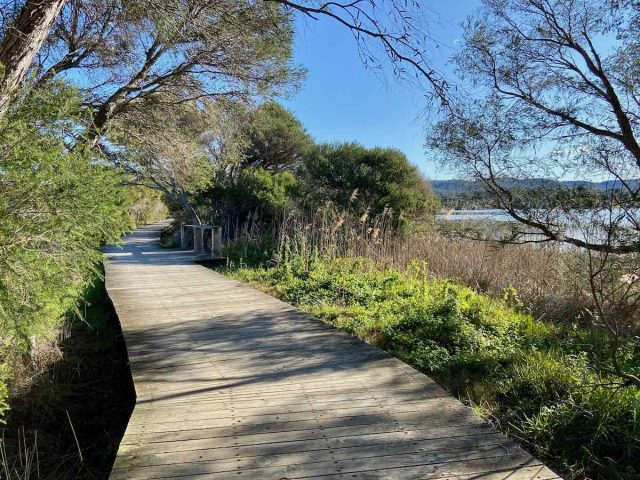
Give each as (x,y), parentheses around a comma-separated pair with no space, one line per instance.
(532,379)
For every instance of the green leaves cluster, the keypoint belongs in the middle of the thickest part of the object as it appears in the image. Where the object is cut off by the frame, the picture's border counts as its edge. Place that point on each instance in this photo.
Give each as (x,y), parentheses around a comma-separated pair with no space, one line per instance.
(373,180)
(58,205)
(276,139)
(537,380)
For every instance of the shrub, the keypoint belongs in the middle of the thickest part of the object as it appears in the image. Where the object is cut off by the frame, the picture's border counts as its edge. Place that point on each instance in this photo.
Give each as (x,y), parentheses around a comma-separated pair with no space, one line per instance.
(58,206)
(369,181)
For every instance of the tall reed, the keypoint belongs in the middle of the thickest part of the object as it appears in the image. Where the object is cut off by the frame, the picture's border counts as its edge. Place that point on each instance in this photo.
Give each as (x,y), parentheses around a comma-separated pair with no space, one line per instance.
(541,280)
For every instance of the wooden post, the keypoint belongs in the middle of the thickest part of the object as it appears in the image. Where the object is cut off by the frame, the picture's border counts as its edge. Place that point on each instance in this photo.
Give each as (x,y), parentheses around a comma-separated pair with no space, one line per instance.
(183,237)
(216,242)
(195,239)
(198,239)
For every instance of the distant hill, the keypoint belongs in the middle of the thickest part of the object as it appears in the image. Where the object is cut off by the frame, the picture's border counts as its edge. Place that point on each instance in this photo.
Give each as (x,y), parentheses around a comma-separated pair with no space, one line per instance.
(448,187)
(454,186)
(467,194)
(608,185)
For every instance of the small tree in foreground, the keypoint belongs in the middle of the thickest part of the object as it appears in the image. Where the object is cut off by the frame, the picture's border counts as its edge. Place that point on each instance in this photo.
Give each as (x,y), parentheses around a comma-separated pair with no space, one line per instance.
(58,207)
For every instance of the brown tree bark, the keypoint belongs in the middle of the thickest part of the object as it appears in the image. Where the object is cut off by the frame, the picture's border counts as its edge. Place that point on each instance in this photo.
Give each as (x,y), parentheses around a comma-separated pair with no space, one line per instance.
(22,42)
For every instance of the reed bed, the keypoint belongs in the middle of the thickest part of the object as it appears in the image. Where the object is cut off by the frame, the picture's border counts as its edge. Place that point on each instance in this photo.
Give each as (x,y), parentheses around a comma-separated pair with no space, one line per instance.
(542,280)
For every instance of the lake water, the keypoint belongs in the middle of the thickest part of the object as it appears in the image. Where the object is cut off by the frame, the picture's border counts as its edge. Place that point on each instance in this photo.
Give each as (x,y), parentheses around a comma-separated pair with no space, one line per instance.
(577,224)
(494,215)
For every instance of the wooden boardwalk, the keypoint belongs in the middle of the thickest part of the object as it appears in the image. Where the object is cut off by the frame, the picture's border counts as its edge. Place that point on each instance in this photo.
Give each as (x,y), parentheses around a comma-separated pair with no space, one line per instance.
(232,383)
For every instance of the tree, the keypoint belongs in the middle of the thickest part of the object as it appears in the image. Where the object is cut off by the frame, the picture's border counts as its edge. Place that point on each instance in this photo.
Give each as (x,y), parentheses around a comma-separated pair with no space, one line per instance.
(173,149)
(100,34)
(560,98)
(395,26)
(21,42)
(168,43)
(170,51)
(562,82)
(372,181)
(276,139)
(58,207)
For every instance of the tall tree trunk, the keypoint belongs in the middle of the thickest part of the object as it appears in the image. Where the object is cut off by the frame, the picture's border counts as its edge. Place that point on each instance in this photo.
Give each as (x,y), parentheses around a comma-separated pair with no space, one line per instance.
(22,42)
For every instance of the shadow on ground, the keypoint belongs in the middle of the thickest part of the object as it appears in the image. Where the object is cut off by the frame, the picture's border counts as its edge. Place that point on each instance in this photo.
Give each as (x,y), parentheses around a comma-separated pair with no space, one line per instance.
(75,412)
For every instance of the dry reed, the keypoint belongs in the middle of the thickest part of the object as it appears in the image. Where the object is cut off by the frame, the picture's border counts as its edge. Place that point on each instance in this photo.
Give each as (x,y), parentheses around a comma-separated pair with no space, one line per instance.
(538,279)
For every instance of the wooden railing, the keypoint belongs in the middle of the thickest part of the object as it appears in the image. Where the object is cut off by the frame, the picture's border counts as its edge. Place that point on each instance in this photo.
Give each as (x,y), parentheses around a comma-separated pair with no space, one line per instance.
(206,239)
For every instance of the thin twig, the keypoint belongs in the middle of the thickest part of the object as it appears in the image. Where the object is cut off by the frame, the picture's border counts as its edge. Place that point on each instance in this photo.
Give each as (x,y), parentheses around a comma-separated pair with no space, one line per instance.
(75,437)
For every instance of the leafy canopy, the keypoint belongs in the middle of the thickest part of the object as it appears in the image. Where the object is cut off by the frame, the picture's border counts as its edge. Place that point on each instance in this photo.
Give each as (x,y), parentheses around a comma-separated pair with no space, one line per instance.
(276,139)
(366,180)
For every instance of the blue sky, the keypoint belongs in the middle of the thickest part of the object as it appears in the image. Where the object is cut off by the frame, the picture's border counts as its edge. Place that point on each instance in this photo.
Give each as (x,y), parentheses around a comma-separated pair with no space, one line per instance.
(341,100)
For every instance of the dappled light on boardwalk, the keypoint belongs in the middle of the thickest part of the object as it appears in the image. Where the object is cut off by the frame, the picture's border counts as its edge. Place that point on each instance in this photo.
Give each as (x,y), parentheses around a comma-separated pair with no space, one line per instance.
(232,383)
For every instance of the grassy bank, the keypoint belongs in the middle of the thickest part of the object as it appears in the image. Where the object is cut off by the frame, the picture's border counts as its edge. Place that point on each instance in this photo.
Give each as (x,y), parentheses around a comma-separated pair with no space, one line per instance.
(69,411)
(532,379)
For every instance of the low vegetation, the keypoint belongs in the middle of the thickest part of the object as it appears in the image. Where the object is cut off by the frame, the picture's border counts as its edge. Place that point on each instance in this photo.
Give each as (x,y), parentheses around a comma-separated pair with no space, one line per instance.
(540,381)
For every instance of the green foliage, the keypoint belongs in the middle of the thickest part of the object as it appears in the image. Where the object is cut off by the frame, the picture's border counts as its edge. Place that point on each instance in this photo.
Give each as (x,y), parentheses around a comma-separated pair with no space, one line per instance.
(251,251)
(5,376)
(147,205)
(254,192)
(375,181)
(277,140)
(261,188)
(165,151)
(58,206)
(537,380)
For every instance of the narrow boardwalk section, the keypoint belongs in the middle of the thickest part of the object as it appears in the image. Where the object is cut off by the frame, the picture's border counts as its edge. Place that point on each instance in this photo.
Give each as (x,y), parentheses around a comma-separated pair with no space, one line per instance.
(232,383)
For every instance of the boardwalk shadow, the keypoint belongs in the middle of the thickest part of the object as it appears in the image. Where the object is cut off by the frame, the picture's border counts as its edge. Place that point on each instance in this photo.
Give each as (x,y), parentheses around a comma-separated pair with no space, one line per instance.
(202,371)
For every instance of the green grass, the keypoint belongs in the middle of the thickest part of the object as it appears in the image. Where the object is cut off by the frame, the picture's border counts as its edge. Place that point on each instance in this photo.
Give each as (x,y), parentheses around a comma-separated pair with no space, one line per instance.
(532,379)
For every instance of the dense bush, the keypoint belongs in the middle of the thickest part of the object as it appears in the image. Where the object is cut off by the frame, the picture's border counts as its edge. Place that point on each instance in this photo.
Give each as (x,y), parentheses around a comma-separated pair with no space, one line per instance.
(58,205)
(533,379)
(368,181)
(275,139)
(254,190)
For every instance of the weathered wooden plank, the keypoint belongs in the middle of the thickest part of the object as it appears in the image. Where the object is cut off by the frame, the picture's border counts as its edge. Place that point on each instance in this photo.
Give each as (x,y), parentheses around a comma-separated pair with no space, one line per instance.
(435,411)
(430,466)
(231,382)
(313,463)
(342,449)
